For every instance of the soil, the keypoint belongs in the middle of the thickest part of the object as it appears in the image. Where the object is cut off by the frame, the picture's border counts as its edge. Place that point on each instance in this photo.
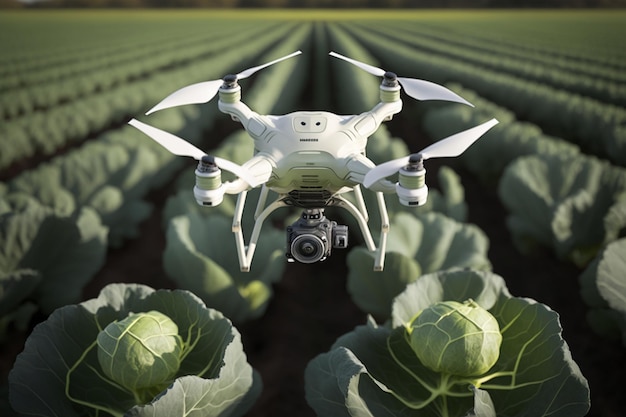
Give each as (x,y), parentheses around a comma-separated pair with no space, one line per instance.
(311,307)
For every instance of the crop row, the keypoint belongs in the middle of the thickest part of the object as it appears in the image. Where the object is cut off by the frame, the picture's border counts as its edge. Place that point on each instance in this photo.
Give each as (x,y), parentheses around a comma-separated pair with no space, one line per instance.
(70,49)
(596,127)
(45,132)
(522,66)
(111,70)
(586,39)
(551,59)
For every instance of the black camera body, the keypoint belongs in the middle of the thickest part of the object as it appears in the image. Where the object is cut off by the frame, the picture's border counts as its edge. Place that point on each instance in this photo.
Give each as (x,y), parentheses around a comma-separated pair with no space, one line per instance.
(311,238)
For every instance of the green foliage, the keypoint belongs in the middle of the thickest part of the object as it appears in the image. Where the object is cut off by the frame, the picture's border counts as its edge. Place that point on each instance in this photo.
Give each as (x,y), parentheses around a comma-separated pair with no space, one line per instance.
(374,371)
(59,371)
(461,338)
(201,256)
(571,204)
(509,140)
(415,246)
(45,258)
(604,290)
(141,352)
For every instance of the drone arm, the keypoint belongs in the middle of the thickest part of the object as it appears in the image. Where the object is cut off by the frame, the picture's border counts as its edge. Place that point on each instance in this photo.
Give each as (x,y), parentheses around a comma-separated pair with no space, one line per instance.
(360,165)
(384,111)
(259,167)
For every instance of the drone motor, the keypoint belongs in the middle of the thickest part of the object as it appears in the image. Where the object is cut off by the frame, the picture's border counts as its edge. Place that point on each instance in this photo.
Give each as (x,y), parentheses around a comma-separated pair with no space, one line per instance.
(208,190)
(411,187)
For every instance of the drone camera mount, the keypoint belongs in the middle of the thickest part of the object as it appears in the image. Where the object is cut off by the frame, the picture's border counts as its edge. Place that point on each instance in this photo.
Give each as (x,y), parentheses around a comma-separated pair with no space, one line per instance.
(311,238)
(208,190)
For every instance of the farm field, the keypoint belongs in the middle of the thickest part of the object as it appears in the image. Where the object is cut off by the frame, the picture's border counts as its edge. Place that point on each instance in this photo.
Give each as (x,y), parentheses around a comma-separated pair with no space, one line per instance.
(87,200)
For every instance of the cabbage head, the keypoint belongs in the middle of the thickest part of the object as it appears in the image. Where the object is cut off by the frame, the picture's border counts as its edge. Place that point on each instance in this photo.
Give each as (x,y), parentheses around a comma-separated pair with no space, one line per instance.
(456,338)
(141,352)
(134,351)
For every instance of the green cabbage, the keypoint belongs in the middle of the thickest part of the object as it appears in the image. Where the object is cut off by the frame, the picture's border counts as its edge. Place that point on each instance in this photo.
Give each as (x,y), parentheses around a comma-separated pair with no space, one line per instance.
(375,369)
(134,351)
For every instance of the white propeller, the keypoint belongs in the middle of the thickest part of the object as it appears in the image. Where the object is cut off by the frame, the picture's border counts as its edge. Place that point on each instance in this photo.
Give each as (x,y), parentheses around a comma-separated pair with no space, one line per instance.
(418,89)
(205,91)
(181,147)
(449,147)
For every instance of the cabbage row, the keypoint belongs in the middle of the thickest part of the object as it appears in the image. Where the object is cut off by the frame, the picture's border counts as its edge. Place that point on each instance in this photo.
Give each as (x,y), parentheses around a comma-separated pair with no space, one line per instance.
(531,58)
(44,132)
(597,127)
(611,92)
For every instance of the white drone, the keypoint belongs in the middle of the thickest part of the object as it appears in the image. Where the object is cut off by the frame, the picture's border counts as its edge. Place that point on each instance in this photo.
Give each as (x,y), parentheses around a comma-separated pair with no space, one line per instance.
(311,159)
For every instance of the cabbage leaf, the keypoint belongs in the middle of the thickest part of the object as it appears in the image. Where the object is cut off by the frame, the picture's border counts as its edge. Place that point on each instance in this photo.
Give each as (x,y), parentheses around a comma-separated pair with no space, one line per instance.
(604,291)
(571,204)
(201,256)
(415,246)
(373,371)
(46,258)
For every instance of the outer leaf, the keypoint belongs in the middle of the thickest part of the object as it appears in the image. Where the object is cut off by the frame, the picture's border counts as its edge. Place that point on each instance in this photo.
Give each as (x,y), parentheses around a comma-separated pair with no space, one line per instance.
(534,375)
(62,349)
(611,283)
(603,290)
(44,184)
(65,251)
(562,202)
(201,256)
(415,246)
(15,287)
(483,405)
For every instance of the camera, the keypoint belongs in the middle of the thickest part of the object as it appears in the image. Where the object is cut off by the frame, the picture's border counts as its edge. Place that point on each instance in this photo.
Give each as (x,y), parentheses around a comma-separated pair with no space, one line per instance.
(311,238)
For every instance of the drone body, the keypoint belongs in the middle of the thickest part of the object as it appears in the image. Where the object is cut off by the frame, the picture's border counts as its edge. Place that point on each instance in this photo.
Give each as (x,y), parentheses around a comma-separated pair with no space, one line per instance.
(310,159)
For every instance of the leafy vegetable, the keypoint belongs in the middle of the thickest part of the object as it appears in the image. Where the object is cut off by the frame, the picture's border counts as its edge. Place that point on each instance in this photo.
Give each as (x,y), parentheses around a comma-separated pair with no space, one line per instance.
(604,290)
(416,246)
(77,362)
(462,339)
(567,203)
(45,258)
(374,370)
(201,256)
(142,353)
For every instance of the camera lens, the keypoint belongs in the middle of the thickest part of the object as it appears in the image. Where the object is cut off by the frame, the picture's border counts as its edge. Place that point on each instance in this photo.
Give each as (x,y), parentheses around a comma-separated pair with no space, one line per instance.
(308,248)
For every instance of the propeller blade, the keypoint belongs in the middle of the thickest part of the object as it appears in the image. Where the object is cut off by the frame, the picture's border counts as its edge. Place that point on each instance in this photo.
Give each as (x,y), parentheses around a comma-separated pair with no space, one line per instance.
(426,90)
(449,147)
(205,91)
(369,68)
(172,143)
(192,94)
(181,147)
(418,89)
(458,143)
(245,74)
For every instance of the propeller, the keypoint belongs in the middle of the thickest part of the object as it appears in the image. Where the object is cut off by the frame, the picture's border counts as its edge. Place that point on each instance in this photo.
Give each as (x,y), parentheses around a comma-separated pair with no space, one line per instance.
(449,147)
(418,89)
(181,147)
(203,92)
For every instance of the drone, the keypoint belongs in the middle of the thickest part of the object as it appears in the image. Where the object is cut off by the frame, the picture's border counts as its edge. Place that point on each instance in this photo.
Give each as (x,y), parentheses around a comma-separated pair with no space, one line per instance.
(312,160)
